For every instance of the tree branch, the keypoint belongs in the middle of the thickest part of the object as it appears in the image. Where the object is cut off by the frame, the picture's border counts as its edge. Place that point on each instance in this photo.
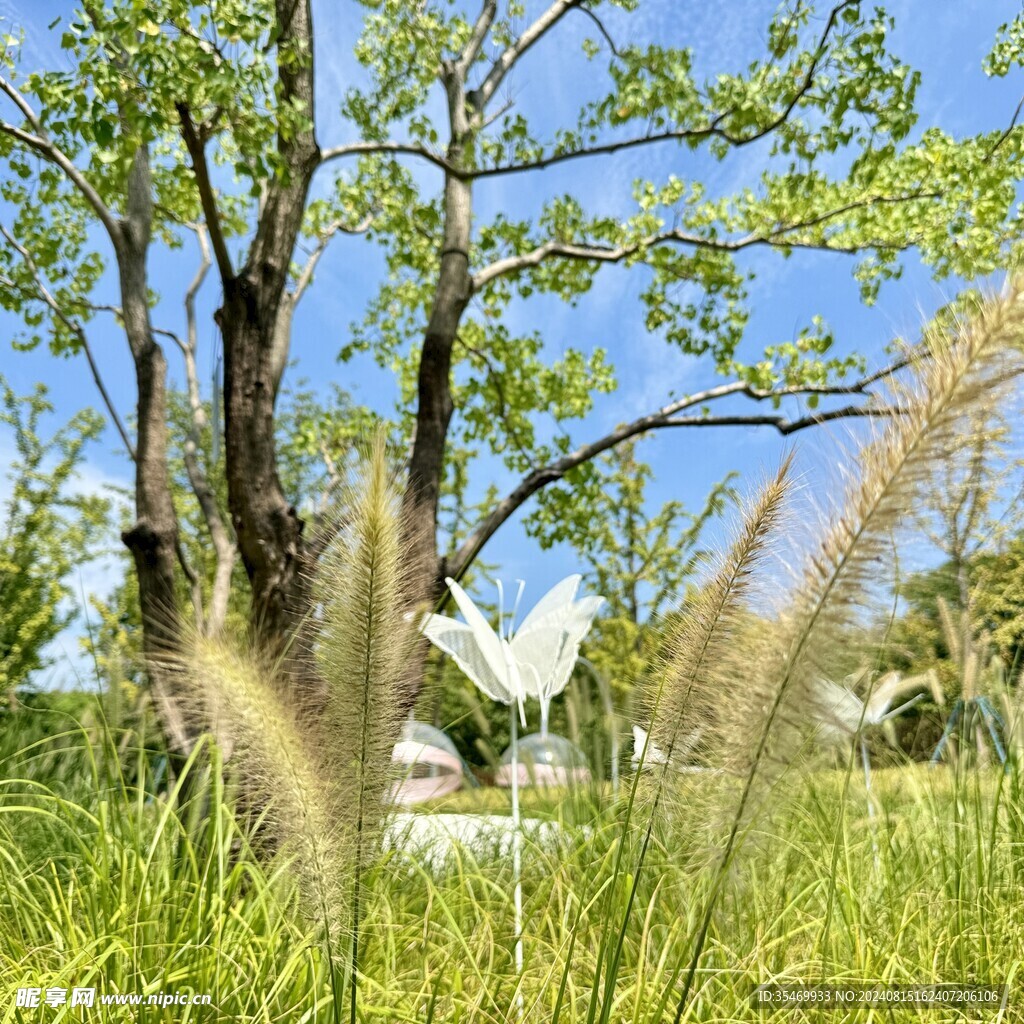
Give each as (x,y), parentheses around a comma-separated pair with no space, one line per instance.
(669,416)
(223,545)
(194,586)
(290,299)
(336,227)
(1007,132)
(406,148)
(712,129)
(615,146)
(201,172)
(75,328)
(601,28)
(481,27)
(191,327)
(481,96)
(42,144)
(616,253)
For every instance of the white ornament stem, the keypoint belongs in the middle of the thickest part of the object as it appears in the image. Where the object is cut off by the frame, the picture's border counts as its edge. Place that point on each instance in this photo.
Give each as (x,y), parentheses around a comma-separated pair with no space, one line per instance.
(866,760)
(517,854)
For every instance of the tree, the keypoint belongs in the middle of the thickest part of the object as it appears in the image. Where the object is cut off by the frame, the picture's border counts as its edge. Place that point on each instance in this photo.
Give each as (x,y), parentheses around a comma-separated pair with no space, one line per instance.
(176,119)
(47,532)
(820,88)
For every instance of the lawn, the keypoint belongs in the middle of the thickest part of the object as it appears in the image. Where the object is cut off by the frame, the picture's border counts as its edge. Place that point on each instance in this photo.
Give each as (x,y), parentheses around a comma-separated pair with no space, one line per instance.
(106,885)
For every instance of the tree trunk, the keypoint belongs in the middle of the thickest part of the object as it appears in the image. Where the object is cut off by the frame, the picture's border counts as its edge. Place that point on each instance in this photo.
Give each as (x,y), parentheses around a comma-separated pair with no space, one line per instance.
(153,539)
(434,395)
(435,406)
(267,526)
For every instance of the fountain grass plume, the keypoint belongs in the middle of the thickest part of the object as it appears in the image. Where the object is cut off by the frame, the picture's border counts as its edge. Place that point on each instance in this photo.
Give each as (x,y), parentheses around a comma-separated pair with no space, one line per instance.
(319,775)
(697,663)
(364,648)
(950,400)
(962,383)
(282,776)
(365,637)
(701,656)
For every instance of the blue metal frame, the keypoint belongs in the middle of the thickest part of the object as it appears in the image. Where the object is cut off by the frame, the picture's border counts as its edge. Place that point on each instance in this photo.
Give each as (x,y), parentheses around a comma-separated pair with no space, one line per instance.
(991,718)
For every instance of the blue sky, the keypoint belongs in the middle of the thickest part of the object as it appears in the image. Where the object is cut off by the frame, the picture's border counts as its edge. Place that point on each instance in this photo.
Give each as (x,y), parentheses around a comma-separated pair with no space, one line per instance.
(944,39)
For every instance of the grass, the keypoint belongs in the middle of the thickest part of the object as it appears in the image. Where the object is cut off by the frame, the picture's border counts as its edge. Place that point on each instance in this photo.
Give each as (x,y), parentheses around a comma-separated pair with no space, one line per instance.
(104,884)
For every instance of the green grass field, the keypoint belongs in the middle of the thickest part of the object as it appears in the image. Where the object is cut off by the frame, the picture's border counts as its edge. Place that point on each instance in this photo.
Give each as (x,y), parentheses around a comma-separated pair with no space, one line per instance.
(104,884)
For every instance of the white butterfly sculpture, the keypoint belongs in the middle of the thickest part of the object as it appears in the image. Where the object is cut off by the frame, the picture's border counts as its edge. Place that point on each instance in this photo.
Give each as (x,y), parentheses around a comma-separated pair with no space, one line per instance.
(840,714)
(534,660)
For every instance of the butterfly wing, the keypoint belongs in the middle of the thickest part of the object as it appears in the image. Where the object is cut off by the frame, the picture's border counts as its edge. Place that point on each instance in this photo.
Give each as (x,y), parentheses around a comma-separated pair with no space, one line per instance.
(555,603)
(839,711)
(474,645)
(547,648)
(886,692)
(459,641)
(490,645)
(538,654)
(581,616)
(546,653)
(653,754)
(574,628)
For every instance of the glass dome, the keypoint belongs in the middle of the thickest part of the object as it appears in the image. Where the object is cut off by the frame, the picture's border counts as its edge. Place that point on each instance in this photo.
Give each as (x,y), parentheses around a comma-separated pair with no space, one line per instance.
(427,763)
(545,761)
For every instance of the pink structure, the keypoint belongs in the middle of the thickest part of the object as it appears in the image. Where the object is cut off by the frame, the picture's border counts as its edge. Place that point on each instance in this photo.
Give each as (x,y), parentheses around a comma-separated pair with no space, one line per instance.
(427,764)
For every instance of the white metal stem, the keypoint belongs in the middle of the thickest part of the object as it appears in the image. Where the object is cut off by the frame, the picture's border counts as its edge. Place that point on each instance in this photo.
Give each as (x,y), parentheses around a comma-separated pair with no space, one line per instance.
(517,854)
(866,759)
